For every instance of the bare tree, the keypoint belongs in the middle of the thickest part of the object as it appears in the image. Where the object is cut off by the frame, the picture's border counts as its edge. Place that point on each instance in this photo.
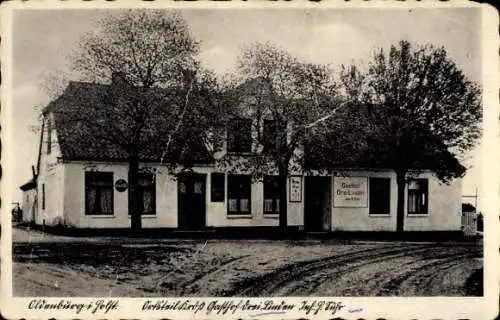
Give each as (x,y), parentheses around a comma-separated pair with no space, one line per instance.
(419,112)
(157,89)
(295,96)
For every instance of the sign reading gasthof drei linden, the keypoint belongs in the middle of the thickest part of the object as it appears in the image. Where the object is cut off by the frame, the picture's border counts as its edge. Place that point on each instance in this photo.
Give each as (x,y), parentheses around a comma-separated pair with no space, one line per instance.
(350,192)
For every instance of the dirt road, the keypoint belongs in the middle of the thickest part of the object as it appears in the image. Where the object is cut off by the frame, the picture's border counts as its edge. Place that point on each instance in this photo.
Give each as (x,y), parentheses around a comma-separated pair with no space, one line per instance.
(245,268)
(401,270)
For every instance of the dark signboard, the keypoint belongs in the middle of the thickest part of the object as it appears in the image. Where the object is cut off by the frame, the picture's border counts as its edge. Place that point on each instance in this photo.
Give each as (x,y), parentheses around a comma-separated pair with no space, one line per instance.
(121,185)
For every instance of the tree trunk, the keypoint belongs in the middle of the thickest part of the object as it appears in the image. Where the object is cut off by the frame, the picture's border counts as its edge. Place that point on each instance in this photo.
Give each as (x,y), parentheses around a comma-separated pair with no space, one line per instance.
(133,202)
(283,212)
(400,216)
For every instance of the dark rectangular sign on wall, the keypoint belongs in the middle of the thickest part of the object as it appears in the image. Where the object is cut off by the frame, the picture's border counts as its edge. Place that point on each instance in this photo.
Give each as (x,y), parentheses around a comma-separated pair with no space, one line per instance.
(217,190)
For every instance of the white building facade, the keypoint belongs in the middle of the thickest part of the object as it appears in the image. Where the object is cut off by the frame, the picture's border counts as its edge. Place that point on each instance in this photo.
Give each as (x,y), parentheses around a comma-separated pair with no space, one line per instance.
(91,193)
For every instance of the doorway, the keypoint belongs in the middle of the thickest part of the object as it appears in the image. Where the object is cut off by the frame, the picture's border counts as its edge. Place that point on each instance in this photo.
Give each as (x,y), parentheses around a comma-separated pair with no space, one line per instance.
(318,204)
(191,201)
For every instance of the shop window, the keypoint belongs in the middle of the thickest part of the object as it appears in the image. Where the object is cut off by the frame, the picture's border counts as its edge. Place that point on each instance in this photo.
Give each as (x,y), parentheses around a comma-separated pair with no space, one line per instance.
(418,196)
(239,136)
(146,189)
(98,193)
(217,187)
(380,195)
(271,195)
(239,194)
(274,135)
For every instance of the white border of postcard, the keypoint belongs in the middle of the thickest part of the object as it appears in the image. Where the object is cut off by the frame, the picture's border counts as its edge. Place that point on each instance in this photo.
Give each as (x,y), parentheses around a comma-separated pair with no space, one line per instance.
(381,307)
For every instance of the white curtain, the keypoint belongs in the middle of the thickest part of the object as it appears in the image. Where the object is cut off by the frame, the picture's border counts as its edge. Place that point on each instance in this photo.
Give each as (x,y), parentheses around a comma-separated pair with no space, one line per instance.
(233,205)
(412,203)
(148,202)
(91,196)
(107,201)
(244,205)
(268,205)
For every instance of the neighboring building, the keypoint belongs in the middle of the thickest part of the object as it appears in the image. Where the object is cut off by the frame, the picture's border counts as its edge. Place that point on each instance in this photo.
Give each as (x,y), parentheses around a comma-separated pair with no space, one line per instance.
(84,185)
(29,203)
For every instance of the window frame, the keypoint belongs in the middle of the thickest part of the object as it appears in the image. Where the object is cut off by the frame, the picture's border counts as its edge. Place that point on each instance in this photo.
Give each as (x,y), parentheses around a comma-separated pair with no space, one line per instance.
(278,132)
(275,194)
(142,188)
(423,201)
(88,185)
(235,136)
(231,191)
(387,205)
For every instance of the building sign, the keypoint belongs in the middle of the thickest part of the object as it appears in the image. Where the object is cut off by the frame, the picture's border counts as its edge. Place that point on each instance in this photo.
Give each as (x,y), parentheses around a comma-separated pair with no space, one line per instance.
(121,185)
(295,189)
(350,192)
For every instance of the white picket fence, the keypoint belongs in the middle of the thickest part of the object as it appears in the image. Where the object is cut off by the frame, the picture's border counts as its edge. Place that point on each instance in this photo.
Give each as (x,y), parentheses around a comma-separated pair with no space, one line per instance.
(469,223)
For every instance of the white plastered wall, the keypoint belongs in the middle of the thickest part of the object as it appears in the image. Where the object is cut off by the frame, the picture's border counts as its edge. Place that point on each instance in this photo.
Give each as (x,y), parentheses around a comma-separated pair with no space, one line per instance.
(444,208)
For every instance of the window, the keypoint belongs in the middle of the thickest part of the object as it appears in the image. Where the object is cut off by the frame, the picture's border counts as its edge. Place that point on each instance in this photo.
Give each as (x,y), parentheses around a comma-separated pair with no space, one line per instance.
(217,194)
(49,136)
(182,187)
(239,138)
(274,134)
(418,196)
(271,195)
(43,196)
(98,193)
(146,190)
(380,196)
(239,194)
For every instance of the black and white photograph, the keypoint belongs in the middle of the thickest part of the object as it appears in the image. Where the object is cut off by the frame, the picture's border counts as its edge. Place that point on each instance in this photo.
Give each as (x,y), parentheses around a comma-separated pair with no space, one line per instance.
(242,161)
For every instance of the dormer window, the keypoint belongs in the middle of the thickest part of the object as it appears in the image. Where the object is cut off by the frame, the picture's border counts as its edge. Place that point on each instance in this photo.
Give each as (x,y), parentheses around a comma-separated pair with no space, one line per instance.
(239,135)
(274,135)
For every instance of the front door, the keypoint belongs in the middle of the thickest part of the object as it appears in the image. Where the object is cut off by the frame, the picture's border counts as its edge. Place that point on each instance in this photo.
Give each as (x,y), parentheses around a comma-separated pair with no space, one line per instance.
(317,213)
(191,201)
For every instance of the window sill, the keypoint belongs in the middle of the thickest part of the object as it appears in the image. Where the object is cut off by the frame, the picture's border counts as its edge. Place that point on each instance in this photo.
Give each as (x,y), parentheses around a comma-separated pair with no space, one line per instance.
(417,215)
(381,215)
(239,216)
(102,216)
(271,216)
(146,216)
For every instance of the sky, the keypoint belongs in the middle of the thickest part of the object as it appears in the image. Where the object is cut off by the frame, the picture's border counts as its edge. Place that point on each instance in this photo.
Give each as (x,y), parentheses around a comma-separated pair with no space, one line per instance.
(42,41)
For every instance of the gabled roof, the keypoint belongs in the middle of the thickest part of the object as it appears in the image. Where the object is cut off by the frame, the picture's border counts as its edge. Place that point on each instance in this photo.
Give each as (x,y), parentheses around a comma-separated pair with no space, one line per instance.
(351,145)
(80,140)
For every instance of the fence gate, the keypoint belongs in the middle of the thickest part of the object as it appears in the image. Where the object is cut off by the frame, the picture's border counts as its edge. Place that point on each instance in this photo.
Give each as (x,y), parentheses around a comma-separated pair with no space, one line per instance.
(469,223)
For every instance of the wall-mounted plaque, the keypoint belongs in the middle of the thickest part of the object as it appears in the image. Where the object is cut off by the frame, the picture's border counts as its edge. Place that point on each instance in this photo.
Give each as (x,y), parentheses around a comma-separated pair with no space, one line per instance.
(350,192)
(121,185)
(295,189)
